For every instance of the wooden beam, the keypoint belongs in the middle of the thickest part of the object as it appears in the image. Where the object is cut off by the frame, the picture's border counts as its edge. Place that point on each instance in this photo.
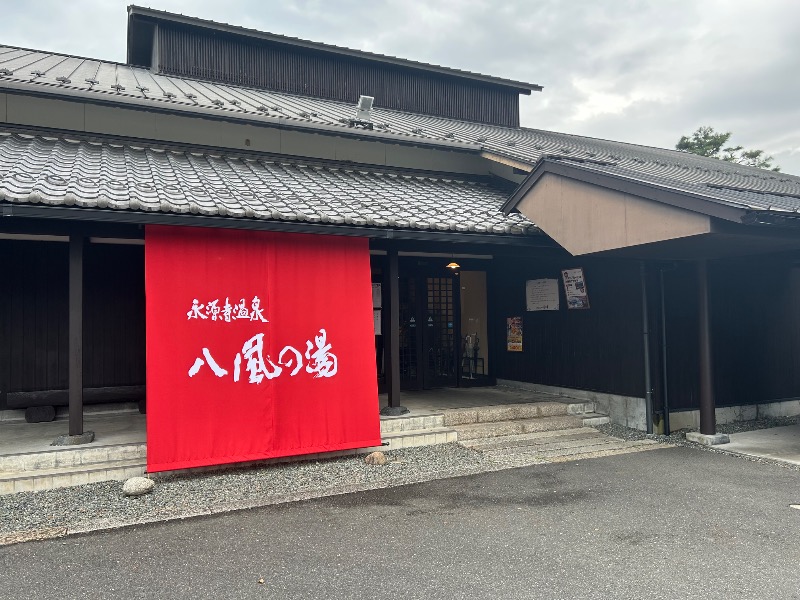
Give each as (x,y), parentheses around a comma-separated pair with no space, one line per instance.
(509,162)
(123,393)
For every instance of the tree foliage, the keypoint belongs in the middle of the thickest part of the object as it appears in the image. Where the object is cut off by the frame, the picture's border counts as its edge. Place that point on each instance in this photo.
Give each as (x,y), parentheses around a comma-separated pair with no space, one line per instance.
(707,142)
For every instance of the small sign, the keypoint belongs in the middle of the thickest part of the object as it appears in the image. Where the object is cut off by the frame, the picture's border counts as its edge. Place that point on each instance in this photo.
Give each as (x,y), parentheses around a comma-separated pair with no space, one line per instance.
(376,320)
(514,334)
(412,322)
(575,288)
(377,297)
(541,294)
(430,321)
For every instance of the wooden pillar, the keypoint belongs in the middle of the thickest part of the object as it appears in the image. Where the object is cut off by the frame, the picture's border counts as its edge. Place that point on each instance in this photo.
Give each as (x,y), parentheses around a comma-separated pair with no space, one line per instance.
(393,342)
(392,338)
(76,335)
(708,423)
(648,383)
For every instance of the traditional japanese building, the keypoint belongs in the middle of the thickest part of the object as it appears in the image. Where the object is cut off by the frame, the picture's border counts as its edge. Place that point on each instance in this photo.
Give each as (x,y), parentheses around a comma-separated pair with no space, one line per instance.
(655,282)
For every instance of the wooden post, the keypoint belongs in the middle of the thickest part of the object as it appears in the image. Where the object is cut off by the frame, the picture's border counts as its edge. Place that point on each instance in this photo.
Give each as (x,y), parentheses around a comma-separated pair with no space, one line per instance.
(392,338)
(708,423)
(75,335)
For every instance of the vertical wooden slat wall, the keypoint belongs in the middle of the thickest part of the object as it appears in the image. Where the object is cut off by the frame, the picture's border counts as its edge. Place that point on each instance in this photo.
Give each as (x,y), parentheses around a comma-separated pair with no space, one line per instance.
(754,318)
(34,311)
(221,57)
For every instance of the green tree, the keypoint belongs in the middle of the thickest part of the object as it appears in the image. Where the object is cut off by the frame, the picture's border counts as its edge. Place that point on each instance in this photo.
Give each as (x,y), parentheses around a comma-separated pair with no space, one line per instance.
(707,142)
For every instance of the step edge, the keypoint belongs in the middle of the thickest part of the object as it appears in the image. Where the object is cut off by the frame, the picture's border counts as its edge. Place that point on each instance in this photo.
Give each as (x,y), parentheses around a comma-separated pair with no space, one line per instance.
(121,464)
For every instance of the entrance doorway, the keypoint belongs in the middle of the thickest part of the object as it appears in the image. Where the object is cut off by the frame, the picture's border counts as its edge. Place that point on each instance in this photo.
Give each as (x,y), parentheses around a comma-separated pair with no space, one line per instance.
(439,333)
(428,331)
(442,329)
(443,333)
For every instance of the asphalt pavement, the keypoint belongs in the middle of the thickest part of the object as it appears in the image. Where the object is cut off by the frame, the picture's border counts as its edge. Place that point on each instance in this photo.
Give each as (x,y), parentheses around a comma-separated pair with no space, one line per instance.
(671,523)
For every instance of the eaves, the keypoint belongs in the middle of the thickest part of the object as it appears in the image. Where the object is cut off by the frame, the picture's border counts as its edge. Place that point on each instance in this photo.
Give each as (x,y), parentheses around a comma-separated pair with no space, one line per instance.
(684,199)
(71,213)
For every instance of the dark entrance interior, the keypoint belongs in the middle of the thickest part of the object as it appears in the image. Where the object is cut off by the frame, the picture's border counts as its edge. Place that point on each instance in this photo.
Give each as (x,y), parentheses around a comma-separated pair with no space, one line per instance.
(442,336)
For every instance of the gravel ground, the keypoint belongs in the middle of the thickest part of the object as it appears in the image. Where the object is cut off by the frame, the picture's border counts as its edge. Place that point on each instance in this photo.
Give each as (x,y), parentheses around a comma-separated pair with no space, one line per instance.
(50,513)
(678,438)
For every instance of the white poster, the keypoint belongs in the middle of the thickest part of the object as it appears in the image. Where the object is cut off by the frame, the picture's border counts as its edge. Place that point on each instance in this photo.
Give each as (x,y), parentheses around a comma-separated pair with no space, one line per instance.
(376,321)
(575,288)
(541,294)
(376,295)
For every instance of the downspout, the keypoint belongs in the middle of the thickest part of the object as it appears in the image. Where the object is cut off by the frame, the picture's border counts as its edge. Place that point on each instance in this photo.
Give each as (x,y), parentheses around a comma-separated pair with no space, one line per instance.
(648,387)
(664,349)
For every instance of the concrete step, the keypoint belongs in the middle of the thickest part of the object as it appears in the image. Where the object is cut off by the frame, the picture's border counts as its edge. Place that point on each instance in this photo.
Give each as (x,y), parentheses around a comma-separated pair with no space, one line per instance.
(555,446)
(516,427)
(410,423)
(46,479)
(564,448)
(536,440)
(591,419)
(598,452)
(423,437)
(65,457)
(509,412)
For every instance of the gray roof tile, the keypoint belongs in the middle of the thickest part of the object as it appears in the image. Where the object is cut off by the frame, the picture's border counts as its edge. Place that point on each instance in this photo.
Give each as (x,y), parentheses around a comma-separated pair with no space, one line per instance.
(720,181)
(70,172)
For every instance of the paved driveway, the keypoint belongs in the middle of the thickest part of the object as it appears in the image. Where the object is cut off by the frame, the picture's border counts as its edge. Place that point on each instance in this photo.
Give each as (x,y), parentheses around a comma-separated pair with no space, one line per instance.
(668,524)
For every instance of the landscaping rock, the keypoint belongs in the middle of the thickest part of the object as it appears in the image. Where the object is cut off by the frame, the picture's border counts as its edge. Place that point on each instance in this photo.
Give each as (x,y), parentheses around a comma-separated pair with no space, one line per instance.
(376,458)
(138,486)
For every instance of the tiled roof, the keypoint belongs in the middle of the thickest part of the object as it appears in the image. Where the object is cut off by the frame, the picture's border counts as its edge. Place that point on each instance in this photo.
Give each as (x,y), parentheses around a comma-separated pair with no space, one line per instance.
(724,182)
(100,175)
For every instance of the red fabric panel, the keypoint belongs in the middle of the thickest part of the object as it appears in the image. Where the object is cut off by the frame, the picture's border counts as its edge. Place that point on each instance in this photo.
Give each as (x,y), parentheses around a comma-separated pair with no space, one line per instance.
(315,294)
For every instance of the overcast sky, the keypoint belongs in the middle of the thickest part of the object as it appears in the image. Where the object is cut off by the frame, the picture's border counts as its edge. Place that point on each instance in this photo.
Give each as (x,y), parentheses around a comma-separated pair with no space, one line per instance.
(638,71)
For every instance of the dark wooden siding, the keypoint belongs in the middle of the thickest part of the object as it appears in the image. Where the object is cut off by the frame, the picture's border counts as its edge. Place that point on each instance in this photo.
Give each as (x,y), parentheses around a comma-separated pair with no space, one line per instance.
(33,316)
(229,59)
(755,331)
(598,349)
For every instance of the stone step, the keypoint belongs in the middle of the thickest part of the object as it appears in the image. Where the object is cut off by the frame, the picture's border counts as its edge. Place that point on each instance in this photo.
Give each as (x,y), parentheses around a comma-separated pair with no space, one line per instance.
(516,427)
(538,440)
(423,437)
(65,457)
(562,448)
(509,412)
(556,446)
(46,479)
(410,423)
(591,419)
(599,452)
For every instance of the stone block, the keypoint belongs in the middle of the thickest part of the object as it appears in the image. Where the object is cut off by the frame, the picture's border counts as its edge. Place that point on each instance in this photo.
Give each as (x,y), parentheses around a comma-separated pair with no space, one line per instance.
(73,440)
(40,414)
(707,440)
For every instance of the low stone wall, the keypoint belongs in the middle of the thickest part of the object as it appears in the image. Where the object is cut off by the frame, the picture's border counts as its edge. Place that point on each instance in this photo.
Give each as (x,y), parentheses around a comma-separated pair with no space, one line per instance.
(631,411)
(690,419)
(623,410)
